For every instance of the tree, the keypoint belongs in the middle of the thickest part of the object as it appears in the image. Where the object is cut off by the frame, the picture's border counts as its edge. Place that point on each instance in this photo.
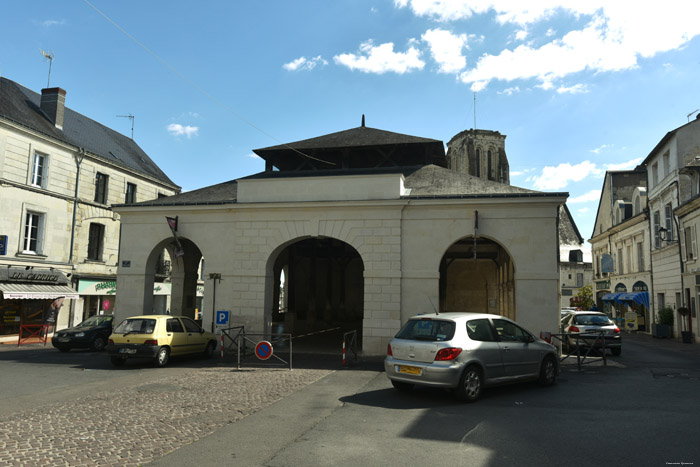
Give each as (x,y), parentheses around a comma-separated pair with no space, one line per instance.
(584,298)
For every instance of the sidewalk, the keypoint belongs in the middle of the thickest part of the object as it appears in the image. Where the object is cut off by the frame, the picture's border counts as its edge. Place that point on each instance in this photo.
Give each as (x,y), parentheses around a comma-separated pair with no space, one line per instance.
(667,344)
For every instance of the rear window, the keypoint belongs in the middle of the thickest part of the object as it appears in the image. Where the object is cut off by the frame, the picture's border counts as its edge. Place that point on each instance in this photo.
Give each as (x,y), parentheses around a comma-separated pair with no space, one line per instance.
(600,320)
(427,329)
(136,326)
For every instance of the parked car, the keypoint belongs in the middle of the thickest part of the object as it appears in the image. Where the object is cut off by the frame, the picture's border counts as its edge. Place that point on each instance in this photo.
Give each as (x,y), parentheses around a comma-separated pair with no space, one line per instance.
(158,337)
(467,352)
(90,334)
(583,329)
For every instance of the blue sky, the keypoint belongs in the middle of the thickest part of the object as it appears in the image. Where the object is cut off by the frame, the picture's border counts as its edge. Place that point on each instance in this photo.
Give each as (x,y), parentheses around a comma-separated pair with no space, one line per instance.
(577,87)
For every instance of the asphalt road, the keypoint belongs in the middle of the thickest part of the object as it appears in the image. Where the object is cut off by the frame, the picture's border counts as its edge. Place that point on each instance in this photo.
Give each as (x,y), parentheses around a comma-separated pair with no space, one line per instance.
(640,410)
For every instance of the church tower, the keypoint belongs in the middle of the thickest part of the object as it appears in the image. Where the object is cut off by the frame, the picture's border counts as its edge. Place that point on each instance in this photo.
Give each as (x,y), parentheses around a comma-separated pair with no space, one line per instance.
(479,153)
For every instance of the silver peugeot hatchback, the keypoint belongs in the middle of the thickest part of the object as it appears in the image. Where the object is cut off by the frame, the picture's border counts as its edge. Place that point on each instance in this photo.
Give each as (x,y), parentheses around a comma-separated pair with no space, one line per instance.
(467,352)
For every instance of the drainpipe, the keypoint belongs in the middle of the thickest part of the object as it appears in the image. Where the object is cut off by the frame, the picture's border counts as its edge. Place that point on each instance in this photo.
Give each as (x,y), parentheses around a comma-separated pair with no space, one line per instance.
(78,161)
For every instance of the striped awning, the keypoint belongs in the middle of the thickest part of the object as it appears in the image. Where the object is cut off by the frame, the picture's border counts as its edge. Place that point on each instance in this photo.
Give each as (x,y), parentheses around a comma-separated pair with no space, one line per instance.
(36,291)
(611,297)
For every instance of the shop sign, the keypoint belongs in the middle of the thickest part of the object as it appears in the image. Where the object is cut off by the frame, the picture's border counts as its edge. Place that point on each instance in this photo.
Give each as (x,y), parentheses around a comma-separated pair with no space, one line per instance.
(3,245)
(93,287)
(631,320)
(44,276)
(640,286)
(620,288)
(602,285)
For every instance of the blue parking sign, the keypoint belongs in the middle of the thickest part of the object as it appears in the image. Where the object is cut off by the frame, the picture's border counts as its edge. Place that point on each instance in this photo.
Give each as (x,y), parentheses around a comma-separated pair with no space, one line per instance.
(222,317)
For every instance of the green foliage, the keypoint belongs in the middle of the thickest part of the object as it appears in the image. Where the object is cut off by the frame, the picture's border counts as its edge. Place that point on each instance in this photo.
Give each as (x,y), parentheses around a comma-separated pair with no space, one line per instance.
(584,298)
(665,316)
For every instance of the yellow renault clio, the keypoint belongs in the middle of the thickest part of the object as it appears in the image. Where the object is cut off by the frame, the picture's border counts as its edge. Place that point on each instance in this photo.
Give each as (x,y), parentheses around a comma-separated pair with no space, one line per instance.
(157,337)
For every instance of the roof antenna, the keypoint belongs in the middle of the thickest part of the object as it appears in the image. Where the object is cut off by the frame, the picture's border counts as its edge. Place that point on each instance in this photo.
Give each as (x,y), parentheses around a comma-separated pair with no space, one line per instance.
(474,111)
(433,305)
(691,114)
(130,117)
(49,56)
(363,120)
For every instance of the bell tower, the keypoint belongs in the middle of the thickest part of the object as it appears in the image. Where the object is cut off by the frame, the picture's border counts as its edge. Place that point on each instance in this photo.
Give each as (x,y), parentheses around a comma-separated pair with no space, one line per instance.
(479,153)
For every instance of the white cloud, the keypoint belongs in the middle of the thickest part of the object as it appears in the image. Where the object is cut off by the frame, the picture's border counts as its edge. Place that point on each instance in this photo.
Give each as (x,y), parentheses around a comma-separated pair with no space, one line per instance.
(593,195)
(252,155)
(613,38)
(521,35)
(510,91)
(53,22)
(629,165)
(600,148)
(575,89)
(583,210)
(553,178)
(176,129)
(446,49)
(302,63)
(381,59)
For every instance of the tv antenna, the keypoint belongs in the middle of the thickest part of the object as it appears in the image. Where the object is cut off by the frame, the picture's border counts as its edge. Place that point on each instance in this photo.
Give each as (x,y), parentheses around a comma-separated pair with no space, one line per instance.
(691,113)
(474,111)
(130,117)
(48,56)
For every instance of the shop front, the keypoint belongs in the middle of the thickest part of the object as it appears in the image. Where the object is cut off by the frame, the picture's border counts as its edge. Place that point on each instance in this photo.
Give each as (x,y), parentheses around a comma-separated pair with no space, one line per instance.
(30,299)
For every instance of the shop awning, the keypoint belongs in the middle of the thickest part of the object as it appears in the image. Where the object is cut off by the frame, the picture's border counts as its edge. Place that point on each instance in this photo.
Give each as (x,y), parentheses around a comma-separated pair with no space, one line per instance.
(641,298)
(611,297)
(37,291)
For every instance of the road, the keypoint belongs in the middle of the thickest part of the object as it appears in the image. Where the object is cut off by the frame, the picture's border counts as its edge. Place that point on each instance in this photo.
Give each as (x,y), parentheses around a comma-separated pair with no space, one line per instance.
(641,409)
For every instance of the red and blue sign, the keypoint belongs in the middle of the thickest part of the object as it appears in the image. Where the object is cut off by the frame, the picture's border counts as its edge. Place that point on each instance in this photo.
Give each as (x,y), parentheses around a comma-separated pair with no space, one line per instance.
(263,350)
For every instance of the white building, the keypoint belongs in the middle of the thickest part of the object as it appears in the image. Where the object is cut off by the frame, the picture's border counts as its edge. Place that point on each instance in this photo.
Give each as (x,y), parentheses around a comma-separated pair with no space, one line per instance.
(60,172)
(366,226)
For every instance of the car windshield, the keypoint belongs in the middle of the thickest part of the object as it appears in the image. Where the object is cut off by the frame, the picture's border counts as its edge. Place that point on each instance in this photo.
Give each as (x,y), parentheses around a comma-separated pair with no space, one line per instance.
(95,321)
(427,329)
(592,320)
(136,326)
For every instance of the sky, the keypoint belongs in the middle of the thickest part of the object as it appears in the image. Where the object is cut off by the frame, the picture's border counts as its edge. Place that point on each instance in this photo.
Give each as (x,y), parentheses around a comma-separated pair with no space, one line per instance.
(578,87)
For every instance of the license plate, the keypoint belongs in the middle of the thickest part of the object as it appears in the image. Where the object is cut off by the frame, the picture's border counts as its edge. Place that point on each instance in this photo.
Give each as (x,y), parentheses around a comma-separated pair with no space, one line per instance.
(409,370)
(63,339)
(127,350)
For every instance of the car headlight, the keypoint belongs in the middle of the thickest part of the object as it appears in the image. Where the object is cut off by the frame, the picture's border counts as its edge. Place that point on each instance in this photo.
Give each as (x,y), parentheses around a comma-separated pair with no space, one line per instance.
(79,334)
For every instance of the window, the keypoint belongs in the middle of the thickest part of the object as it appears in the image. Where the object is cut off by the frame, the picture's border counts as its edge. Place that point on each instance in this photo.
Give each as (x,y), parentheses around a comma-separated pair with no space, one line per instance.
(655,174)
(657,226)
(190,325)
(640,256)
(620,269)
(162,195)
(39,170)
(33,233)
(668,211)
(130,193)
(490,165)
(660,301)
(477,172)
(628,258)
(480,330)
(579,279)
(173,325)
(509,332)
(667,164)
(101,188)
(96,241)
(688,243)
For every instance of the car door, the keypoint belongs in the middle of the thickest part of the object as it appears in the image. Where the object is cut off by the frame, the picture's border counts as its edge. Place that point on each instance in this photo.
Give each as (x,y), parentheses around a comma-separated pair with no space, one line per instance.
(487,350)
(196,339)
(520,359)
(176,333)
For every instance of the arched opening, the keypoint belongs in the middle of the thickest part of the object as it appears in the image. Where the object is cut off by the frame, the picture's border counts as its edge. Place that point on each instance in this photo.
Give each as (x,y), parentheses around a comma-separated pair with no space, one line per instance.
(477,275)
(176,272)
(317,292)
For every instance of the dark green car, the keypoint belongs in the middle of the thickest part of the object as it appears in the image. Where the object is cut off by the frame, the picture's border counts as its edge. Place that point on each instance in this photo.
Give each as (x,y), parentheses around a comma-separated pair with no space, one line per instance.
(90,334)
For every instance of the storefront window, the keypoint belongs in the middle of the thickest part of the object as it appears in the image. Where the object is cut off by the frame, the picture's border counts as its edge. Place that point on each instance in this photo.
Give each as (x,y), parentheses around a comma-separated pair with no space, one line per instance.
(9,316)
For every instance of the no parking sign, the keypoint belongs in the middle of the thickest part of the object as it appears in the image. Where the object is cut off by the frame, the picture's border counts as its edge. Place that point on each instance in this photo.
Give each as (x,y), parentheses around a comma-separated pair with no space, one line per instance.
(263,350)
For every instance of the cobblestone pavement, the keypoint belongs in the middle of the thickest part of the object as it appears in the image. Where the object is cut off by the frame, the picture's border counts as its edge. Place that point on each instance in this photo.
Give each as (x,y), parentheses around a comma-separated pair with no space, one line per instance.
(143,422)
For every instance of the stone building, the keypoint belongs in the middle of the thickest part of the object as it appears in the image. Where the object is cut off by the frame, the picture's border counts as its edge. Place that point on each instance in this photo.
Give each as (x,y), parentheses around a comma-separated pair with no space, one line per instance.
(575,268)
(60,172)
(479,153)
(358,229)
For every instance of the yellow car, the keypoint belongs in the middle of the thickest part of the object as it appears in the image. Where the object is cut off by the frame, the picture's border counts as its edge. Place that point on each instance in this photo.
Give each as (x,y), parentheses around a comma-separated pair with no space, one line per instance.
(157,337)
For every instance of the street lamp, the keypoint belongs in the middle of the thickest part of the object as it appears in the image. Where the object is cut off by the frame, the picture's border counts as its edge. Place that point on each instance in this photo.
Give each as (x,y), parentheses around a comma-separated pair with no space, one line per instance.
(665,234)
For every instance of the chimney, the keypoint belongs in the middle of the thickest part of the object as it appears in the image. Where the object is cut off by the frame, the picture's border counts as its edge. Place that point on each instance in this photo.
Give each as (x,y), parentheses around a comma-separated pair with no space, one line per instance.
(53,103)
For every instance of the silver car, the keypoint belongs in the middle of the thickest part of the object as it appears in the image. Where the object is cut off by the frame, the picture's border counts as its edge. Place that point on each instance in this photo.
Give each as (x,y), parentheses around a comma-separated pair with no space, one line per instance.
(467,352)
(584,328)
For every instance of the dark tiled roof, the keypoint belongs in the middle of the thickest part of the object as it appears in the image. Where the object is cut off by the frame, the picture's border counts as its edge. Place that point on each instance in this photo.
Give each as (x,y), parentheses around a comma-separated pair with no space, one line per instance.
(21,106)
(223,193)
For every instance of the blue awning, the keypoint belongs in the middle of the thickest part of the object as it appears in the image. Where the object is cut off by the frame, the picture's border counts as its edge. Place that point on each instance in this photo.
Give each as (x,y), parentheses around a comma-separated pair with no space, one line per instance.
(611,297)
(641,298)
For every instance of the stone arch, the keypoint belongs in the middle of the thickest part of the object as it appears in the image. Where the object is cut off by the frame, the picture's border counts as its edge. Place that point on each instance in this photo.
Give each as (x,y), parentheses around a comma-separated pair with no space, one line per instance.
(483,283)
(323,288)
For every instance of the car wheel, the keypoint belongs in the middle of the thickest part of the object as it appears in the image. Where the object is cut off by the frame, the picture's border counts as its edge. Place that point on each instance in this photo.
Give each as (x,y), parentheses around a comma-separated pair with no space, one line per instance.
(117,361)
(401,386)
(98,343)
(548,371)
(162,357)
(209,351)
(63,349)
(616,351)
(470,384)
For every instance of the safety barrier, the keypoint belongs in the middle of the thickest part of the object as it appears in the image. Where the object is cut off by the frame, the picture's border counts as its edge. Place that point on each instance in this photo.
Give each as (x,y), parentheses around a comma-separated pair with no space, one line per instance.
(262,345)
(588,341)
(351,338)
(41,332)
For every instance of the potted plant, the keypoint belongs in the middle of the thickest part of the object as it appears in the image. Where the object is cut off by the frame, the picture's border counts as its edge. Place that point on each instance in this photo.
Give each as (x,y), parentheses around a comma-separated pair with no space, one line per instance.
(664,323)
(686,335)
